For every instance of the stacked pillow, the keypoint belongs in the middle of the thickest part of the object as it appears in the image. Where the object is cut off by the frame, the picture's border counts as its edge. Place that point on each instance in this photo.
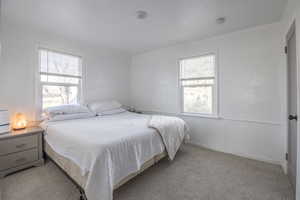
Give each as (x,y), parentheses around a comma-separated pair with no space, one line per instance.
(67,112)
(101,108)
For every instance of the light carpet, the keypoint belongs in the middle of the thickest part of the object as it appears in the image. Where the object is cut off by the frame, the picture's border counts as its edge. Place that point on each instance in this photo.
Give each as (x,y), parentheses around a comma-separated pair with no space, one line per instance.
(195,174)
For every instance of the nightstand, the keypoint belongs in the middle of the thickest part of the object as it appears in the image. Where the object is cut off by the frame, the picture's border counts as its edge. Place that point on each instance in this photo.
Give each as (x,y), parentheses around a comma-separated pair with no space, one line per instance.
(20,149)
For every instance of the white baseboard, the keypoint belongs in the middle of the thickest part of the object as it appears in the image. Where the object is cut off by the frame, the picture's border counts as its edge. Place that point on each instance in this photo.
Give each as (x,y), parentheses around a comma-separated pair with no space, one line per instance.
(275,162)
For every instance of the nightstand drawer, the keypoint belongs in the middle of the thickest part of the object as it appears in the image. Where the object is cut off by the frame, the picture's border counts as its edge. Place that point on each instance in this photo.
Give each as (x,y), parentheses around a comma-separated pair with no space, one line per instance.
(17,159)
(18,144)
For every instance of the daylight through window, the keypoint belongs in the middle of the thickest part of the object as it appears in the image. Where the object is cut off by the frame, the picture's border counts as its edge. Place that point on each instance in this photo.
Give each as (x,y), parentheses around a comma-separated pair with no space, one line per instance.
(60,76)
(198,85)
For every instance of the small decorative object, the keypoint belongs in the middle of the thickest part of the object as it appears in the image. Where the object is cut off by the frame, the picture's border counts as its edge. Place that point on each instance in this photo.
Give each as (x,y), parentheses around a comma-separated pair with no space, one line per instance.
(19,122)
(4,121)
(132,109)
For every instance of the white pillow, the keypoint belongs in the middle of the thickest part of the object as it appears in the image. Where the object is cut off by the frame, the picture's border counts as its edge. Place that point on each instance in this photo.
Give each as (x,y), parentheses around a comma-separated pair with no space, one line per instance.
(71,116)
(65,109)
(100,106)
(112,112)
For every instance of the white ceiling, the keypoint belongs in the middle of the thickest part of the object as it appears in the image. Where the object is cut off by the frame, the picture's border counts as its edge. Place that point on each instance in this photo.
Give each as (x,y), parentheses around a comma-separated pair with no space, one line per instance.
(113,22)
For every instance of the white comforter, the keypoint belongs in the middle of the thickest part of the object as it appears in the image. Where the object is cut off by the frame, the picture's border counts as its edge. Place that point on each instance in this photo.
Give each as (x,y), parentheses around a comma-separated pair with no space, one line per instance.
(108,147)
(172,130)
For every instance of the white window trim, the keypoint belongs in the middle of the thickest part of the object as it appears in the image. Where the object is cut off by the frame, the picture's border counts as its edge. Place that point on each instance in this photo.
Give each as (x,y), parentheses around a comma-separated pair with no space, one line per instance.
(39,84)
(215,113)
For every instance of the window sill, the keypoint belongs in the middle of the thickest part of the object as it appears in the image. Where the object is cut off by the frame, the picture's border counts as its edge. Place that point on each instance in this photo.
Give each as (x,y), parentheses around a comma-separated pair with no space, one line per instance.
(200,116)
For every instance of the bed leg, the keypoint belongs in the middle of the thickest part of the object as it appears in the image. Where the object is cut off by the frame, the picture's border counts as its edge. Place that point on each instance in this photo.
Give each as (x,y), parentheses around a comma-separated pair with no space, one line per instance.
(82,195)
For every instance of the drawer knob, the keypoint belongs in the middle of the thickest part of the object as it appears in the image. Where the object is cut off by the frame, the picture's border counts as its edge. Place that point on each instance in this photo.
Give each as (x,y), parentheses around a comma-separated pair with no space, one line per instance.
(20,160)
(20,146)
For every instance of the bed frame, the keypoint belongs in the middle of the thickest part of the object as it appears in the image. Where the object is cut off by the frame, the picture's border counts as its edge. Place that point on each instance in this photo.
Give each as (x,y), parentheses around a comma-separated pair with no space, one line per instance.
(81,190)
(146,165)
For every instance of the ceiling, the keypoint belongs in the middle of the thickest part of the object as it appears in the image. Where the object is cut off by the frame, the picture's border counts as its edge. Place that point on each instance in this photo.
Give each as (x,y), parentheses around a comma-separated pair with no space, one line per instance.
(113,23)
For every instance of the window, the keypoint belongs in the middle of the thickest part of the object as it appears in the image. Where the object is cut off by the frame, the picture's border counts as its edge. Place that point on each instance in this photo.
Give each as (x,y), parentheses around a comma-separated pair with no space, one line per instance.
(60,78)
(198,85)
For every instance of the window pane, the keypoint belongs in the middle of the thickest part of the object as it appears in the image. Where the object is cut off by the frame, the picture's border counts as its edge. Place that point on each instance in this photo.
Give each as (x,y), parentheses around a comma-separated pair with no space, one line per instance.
(73,95)
(203,66)
(59,95)
(53,62)
(59,79)
(197,82)
(198,99)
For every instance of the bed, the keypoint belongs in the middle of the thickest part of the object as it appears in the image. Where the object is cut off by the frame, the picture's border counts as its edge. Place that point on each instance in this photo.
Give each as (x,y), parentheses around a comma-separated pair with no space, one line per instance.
(102,153)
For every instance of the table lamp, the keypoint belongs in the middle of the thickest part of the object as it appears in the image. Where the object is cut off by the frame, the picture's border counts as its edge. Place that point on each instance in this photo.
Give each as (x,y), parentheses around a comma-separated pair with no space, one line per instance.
(19,122)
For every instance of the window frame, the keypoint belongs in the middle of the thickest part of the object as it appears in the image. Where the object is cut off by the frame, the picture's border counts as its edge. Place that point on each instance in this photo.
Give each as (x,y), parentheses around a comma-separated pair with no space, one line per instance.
(40,84)
(215,88)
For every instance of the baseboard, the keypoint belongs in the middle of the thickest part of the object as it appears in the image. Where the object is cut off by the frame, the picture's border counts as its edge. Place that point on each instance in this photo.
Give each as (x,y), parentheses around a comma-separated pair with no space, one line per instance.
(240,155)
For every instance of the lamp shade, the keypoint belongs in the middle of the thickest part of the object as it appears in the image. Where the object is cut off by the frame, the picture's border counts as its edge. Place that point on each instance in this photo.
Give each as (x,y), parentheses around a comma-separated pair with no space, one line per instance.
(19,121)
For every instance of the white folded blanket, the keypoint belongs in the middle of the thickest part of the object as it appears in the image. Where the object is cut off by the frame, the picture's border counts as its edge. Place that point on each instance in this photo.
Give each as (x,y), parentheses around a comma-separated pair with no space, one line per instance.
(173,131)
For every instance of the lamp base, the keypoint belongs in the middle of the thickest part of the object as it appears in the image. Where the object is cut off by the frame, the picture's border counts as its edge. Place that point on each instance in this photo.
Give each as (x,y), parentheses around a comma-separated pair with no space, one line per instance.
(18,129)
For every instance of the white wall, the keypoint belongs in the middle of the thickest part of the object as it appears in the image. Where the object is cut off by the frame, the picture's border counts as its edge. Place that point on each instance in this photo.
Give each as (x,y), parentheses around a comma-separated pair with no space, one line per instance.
(106,70)
(250,91)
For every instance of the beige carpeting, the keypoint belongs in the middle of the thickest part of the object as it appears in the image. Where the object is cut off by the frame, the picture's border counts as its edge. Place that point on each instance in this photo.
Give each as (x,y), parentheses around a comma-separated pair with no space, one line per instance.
(195,174)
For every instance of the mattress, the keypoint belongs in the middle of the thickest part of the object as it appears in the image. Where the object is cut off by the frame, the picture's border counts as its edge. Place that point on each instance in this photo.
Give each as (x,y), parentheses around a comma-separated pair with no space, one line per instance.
(101,153)
(73,170)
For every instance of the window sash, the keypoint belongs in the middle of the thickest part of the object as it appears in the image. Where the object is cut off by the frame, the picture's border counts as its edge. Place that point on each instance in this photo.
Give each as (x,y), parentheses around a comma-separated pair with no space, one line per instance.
(198,85)
(213,109)
(60,84)
(199,78)
(214,85)
(182,66)
(62,54)
(41,83)
(61,75)
(78,97)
